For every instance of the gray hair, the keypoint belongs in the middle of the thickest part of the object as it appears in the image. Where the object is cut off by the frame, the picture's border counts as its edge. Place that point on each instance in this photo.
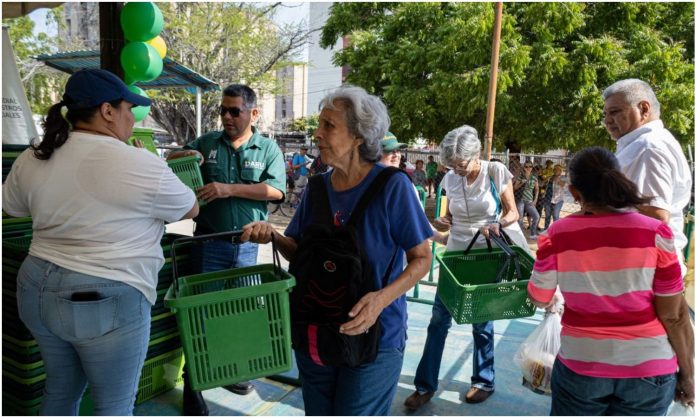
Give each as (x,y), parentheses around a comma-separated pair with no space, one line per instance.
(366,118)
(461,143)
(634,91)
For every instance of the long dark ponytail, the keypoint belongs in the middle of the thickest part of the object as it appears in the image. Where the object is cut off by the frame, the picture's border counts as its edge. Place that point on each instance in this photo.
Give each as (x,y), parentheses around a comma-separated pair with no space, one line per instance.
(57,128)
(595,173)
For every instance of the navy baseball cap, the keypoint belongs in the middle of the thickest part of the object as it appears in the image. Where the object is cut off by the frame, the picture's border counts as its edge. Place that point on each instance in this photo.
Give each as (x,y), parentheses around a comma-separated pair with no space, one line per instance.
(92,87)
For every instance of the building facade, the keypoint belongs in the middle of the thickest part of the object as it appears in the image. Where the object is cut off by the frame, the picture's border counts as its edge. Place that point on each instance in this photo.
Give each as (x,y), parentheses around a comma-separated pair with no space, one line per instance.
(323,76)
(292,103)
(80,28)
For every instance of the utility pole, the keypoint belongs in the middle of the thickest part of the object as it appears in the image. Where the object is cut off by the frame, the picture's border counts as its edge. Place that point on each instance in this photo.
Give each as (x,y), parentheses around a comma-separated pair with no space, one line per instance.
(493,83)
(111,39)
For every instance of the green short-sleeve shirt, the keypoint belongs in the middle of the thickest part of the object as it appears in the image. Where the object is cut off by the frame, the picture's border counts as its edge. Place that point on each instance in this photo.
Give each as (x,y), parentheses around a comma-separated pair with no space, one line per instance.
(259,160)
(528,188)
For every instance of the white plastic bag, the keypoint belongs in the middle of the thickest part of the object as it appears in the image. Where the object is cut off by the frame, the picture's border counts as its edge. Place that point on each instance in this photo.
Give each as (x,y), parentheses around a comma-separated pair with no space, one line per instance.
(538,352)
(679,410)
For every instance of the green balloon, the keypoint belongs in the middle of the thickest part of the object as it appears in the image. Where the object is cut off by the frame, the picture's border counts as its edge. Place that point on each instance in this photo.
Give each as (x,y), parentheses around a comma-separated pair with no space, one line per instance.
(141,21)
(139,112)
(141,62)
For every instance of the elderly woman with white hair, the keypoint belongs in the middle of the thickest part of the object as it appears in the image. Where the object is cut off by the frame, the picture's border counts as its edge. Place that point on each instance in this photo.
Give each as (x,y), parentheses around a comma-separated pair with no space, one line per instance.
(480,199)
(351,125)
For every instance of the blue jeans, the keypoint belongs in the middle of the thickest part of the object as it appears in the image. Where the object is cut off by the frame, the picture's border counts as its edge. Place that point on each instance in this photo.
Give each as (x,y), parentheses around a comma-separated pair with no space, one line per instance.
(523,206)
(101,342)
(552,208)
(364,390)
(575,394)
(216,254)
(429,367)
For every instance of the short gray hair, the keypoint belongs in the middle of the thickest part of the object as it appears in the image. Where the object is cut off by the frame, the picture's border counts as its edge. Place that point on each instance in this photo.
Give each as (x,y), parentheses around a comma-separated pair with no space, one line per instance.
(634,91)
(366,118)
(461,143)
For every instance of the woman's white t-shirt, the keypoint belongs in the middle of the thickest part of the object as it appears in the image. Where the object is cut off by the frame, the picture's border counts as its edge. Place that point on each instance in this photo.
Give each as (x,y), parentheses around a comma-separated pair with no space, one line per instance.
(473,205)
(98,207)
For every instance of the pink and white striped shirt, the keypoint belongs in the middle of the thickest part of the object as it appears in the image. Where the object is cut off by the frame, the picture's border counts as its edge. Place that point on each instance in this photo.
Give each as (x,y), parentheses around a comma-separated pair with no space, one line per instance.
(609,269)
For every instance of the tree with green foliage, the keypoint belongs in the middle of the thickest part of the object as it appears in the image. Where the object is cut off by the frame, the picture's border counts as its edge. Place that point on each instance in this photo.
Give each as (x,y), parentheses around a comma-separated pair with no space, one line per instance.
(307,124)
(227,43)
(430,62)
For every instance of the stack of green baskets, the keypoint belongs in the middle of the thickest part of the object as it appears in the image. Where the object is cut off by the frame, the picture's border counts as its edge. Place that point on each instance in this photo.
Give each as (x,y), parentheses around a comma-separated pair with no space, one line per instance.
(249,305)
(469,288)
(23,373)
(22,367)
(15,227)
(9,155)
(188,170)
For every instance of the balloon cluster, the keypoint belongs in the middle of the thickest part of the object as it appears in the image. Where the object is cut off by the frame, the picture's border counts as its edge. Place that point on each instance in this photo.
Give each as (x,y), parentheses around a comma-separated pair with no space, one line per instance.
(142,56)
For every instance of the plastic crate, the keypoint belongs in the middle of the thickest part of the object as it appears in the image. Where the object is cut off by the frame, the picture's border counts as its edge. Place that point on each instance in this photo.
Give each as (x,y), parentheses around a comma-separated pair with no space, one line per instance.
(16,248)
(160,374)
(467,285)
(146,137)
(10,153)
(234,324)
(189,172)
(14,406)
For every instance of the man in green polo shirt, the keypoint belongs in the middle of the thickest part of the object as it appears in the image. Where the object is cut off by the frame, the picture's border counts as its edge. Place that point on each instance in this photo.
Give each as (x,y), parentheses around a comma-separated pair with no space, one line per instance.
(242,171)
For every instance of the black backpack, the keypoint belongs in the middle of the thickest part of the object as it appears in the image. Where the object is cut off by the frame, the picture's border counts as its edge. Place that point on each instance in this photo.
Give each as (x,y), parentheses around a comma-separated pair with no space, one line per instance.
(332,274)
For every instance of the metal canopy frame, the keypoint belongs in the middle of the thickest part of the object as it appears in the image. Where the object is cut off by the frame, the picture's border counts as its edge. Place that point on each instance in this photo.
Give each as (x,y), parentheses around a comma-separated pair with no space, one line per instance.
(174,75)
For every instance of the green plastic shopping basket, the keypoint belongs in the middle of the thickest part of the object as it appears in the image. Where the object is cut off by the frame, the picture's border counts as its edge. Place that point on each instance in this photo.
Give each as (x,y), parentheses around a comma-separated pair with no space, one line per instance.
(189,172)
(234,324)
(482,285)
(145,135)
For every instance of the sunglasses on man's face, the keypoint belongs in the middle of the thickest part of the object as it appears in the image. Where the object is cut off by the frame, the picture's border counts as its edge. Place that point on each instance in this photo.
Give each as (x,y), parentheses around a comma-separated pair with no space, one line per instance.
(527,166)
(233,111)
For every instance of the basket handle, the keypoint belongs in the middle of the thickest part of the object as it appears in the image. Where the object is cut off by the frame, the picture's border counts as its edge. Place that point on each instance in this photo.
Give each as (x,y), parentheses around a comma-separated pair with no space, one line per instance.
(276,257)
(473,240)
(503,245)
(511,256)
(235,239)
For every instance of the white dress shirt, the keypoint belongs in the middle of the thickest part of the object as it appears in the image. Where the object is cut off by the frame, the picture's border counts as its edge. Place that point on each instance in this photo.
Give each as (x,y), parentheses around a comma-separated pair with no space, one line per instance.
(654,161)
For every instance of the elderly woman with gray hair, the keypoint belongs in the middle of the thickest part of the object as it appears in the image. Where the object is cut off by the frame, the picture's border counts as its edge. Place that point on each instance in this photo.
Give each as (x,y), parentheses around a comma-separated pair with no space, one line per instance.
(351,125)
(480,198)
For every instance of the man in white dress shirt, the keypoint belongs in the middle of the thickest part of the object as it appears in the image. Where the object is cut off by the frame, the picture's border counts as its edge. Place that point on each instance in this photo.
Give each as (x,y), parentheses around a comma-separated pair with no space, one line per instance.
(648,154)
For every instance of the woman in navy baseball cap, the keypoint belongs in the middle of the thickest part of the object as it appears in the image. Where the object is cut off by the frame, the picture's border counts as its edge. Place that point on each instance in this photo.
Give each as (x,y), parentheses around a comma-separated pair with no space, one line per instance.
(98,208)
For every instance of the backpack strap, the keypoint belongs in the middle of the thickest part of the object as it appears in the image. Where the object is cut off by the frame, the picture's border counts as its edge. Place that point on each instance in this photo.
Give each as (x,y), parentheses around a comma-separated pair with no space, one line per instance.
(320,200)
(494,192)
(374,188)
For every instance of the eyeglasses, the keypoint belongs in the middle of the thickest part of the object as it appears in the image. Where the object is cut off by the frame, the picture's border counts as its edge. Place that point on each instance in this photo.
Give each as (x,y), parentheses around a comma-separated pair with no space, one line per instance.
(233,111)
(463,165)
(528,166)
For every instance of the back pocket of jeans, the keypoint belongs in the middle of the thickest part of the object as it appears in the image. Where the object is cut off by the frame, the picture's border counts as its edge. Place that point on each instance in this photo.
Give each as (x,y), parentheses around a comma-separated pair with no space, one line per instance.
(659,381)
(88,319)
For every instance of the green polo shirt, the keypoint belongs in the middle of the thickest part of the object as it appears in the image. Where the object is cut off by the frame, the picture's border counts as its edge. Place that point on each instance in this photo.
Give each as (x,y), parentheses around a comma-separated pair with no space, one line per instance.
(259,160)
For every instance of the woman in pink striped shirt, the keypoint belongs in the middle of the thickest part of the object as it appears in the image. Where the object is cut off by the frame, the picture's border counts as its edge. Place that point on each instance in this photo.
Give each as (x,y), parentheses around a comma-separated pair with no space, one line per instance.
(627,343)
